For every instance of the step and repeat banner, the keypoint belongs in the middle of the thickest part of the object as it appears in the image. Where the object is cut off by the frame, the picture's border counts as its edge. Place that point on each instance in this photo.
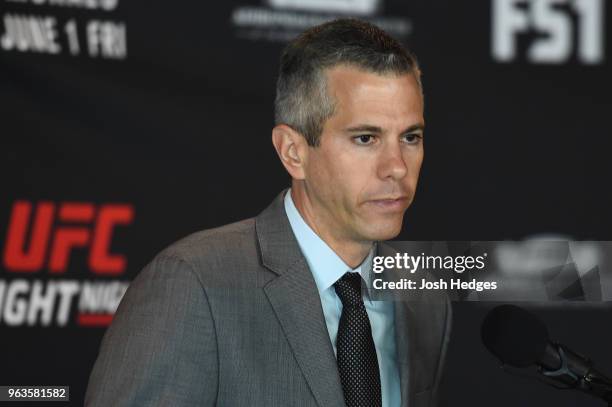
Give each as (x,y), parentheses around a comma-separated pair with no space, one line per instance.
(127,125)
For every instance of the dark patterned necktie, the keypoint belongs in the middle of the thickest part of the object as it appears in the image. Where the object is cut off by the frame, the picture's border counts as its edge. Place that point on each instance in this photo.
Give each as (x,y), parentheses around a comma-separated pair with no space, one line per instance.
(356,354)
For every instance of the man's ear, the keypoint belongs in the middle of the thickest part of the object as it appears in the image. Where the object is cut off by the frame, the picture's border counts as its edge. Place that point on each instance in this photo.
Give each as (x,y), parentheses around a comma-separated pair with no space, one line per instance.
(291,148)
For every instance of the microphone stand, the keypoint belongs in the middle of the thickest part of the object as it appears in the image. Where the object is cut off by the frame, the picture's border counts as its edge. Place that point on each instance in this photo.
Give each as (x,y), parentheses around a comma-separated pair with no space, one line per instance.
(584,377)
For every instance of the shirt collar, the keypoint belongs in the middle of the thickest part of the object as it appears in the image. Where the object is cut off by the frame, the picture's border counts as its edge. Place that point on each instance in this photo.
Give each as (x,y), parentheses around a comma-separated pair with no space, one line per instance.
(326,266)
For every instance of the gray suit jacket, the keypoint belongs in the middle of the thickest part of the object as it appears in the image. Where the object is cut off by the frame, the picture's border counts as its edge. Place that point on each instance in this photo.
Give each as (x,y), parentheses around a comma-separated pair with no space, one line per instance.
(232,317)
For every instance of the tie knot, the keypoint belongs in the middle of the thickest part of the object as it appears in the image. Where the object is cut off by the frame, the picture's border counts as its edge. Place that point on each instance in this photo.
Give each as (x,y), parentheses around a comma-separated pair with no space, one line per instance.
(348,288)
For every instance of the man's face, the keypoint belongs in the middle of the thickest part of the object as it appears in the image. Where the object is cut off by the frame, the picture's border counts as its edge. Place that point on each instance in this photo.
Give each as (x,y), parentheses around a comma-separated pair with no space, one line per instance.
(363,175)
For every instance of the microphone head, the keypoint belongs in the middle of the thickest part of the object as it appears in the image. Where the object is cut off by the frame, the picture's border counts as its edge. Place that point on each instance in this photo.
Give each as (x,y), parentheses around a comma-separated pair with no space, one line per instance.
(515,336)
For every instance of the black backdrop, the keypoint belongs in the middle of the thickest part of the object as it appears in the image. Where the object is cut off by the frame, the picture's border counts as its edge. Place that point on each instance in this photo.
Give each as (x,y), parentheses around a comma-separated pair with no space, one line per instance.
(167,109)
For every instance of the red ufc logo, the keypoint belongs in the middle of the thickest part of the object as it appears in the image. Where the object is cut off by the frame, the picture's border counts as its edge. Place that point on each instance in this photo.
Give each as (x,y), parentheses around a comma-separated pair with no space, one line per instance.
(81,225)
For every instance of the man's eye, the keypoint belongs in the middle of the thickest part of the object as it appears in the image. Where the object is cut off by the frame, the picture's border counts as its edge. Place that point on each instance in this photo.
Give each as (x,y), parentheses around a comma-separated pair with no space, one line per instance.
(364,139)
(412,138)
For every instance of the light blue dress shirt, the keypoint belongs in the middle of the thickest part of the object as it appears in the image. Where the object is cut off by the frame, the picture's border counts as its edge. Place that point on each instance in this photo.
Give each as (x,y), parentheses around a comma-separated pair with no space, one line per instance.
(327,267)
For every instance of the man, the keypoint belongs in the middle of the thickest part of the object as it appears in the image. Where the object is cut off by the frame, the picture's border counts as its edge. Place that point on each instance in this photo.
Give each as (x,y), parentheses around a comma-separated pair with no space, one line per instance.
(269,311)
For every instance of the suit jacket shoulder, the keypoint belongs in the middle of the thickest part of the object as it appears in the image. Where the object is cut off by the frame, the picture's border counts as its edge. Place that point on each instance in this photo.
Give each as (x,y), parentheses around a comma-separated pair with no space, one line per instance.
(224,256)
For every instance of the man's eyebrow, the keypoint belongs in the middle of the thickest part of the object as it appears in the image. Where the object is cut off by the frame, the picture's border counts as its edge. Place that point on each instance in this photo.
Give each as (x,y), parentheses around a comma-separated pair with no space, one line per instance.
(364,128)
(367,128)
(414,127)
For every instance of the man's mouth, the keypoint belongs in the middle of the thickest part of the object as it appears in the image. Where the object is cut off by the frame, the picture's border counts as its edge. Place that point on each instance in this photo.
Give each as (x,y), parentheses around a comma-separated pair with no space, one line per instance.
(390,203)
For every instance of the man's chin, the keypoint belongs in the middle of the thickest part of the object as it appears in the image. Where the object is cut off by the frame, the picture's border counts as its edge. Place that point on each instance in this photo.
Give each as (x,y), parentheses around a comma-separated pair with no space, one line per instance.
(383,231)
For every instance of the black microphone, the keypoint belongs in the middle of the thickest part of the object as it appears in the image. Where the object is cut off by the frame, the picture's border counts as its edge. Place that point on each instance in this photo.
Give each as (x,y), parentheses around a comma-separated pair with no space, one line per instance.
(519,339)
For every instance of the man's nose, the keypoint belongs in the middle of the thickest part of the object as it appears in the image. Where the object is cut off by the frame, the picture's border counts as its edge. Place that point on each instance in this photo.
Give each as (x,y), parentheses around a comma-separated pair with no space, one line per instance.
(392,164)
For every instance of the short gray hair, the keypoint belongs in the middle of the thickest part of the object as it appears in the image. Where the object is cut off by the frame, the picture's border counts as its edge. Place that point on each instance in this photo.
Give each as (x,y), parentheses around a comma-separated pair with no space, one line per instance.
(302,101)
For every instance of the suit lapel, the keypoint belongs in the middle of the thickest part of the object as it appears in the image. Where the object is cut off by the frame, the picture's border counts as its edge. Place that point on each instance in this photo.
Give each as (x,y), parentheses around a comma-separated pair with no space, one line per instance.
(294,297)
(296,303)
(404,342)
(405,331)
